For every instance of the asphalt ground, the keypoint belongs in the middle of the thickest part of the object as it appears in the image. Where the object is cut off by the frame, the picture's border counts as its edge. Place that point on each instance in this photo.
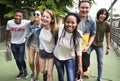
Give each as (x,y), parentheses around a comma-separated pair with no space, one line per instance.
(111,68)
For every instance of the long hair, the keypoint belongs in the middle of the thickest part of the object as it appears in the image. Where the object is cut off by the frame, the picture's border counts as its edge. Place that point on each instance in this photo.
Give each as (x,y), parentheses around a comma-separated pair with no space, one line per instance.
(101,11)
(53,24)
(76,35)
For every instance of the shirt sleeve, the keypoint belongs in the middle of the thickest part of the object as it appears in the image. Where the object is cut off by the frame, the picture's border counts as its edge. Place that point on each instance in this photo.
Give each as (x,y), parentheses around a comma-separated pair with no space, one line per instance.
(79,46)
(8,27)
(93,28)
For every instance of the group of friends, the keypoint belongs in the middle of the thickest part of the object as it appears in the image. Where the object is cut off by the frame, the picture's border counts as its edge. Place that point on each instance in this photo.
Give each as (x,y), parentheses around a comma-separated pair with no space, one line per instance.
(49,43)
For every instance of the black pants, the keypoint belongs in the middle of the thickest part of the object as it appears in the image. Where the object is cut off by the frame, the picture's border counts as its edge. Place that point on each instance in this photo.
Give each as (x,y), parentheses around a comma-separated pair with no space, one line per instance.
(85,61)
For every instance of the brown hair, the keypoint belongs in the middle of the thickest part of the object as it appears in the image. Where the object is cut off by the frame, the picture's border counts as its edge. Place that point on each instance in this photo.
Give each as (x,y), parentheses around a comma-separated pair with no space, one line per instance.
(84,1)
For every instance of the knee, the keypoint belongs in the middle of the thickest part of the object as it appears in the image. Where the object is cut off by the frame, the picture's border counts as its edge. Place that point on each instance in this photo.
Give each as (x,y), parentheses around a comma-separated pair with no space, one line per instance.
(20,60)
(31,63)
(42,70)
(37,64)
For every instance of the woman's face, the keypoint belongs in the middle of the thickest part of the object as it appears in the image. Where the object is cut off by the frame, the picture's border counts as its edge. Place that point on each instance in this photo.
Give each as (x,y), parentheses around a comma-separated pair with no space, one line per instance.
(37,15)
(70,23)
(46,19)
(102,17)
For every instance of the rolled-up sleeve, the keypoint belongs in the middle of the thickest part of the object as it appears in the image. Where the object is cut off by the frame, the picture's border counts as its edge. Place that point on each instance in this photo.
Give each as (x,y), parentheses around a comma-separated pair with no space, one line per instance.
(79,48)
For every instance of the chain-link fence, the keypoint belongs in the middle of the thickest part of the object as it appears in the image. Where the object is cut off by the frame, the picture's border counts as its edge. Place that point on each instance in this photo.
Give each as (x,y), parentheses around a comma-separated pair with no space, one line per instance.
(2,33)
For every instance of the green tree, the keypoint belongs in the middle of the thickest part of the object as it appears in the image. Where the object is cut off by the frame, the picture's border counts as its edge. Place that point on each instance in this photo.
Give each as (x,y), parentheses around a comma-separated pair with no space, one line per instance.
(59,6)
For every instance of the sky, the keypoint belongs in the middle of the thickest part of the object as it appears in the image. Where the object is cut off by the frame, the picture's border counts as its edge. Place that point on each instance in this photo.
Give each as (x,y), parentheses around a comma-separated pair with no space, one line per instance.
(100,4)
(104,4)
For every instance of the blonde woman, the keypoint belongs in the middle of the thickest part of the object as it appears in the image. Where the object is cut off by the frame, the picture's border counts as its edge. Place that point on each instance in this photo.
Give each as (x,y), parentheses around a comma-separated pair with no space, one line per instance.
(47,44)
(33,50)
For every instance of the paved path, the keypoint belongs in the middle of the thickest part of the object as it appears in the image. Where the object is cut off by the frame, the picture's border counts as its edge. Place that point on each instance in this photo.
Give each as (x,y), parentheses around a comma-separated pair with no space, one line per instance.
(111,70)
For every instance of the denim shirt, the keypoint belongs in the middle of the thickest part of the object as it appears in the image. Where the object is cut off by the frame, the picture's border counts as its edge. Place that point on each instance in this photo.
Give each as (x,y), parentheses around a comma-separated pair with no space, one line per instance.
(90,26)
(32,30)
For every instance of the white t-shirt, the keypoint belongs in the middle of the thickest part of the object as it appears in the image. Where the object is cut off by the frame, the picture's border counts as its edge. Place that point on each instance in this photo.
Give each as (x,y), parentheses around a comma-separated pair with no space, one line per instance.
(18,31)
(64,50)
(45,40)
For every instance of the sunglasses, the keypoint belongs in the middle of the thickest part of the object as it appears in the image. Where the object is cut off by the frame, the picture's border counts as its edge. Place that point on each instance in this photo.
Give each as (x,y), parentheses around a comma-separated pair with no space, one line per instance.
(36,14)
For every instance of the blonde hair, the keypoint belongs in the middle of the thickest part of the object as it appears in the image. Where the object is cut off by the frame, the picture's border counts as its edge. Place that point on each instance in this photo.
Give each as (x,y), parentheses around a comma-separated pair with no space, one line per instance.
(53,24)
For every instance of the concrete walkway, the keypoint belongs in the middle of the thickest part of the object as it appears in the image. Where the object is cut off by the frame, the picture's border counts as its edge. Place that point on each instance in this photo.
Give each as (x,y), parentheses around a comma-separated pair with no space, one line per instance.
(111,69)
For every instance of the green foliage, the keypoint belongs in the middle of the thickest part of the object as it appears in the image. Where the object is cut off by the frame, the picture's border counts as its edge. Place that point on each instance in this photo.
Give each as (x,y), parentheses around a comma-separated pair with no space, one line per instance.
(60,7)
(9,15)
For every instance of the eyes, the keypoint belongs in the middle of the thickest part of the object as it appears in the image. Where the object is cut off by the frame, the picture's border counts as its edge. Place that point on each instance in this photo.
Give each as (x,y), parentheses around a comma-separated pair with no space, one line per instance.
(70,22)
(36,14)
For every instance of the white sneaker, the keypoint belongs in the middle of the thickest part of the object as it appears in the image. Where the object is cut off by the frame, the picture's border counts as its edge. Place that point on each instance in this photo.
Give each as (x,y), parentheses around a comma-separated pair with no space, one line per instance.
(32,77)
(36,79)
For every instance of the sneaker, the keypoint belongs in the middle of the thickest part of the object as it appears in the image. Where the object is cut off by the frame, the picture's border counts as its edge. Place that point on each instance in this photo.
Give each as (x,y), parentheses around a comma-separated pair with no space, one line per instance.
(36,79)
(45,76)
(19,75)
(99,79)
(86,73)
(25,74)
(32,77)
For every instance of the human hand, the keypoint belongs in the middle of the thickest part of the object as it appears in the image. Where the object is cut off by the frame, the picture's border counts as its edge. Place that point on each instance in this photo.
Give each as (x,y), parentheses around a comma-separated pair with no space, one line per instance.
(80,70)
(85,49)
(107,51)
(7,44)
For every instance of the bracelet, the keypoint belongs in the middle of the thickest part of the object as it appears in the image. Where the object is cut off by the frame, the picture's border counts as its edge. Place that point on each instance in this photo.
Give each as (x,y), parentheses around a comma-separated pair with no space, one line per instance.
(108,48)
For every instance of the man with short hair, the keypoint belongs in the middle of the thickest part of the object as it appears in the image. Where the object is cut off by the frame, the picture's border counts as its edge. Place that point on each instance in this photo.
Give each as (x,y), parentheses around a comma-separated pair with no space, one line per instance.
(88,26)
(16,29)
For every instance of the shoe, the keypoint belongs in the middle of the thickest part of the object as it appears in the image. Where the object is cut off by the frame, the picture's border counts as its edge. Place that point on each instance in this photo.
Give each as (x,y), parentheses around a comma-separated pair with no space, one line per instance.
(99,79)
(32,77)
(19,75)
(25,74)
(36,79)
(86,73)
(45,76)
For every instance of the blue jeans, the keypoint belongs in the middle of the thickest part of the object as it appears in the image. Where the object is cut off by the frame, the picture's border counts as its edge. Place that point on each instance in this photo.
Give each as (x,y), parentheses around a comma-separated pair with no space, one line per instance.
(18,51)
(69,66)
(99,52)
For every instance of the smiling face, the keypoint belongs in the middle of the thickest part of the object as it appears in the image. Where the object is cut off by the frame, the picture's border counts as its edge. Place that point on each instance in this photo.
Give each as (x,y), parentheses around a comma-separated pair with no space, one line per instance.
(37,15)
(18,16)
(46,18)
(102,17)
(70,23)
(84,9)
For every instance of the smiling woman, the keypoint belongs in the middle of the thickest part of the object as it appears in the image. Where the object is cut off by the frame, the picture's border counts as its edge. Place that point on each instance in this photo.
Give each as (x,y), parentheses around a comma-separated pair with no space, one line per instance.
(68,48)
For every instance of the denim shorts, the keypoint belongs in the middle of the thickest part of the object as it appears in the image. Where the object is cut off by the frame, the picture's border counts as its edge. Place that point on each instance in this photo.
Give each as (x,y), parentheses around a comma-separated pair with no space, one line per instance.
(45,55)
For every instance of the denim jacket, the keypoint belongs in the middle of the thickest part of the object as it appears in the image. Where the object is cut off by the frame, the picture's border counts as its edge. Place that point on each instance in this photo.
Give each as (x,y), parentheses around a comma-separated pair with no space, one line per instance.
(31,30)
